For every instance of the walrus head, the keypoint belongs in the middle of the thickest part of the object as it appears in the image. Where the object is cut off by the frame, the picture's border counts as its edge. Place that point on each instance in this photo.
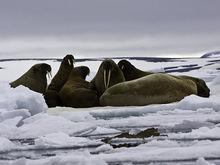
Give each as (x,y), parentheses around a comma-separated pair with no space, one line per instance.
(68,60)
(62,75)
(202,88)
(35,78)
(42,69)
(107,67)
(108,75)
(83,71)
(125,66)
(130,71)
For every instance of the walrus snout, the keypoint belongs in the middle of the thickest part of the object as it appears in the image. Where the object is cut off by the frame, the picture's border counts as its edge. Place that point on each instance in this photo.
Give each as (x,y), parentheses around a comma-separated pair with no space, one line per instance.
(203,91)
(108,67)
(46,68)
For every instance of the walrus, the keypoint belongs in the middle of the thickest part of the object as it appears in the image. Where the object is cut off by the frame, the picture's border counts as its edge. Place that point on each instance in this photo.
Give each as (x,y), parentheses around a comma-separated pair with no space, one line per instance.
(51,95)
(108,75)
(62,74)
(156,88)
(35,78)
(77,92)
(131,72)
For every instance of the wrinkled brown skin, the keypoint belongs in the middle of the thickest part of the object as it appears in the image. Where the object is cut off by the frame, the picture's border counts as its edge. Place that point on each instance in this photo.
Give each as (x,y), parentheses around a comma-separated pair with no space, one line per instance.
(156,88)
(131,73)
(77,92)
(116,76)
(51,96)
(35,78)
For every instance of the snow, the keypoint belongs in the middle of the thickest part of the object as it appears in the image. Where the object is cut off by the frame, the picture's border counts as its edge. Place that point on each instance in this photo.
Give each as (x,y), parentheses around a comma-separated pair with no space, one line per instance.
(202,161)
(213,54)
(5,144)
(30,133)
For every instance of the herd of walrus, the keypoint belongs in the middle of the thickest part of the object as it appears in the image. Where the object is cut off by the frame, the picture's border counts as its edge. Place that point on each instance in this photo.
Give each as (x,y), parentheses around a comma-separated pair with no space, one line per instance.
(114,84)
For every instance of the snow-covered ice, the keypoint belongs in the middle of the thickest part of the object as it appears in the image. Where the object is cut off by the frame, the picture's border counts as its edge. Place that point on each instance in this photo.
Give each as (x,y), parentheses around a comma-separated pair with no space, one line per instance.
(30,133)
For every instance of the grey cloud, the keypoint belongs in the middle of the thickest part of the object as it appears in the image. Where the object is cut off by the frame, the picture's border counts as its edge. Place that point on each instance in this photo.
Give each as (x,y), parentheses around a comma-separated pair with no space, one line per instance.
(116,26)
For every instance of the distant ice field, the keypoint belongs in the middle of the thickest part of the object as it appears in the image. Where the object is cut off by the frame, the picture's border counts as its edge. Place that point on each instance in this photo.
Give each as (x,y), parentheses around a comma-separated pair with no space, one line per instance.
(30,133)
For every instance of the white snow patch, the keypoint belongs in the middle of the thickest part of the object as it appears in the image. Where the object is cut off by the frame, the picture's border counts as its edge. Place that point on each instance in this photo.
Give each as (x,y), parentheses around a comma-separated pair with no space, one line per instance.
(6,144)
(202,161)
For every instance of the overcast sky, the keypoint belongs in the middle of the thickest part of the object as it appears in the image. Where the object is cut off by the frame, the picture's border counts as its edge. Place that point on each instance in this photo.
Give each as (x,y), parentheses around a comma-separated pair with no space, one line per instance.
(104,28)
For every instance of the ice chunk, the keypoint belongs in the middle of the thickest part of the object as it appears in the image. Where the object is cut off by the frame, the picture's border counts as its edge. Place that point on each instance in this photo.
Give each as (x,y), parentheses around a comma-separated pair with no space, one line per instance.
(200,133)
(43,124)
(21,98)
(61,139)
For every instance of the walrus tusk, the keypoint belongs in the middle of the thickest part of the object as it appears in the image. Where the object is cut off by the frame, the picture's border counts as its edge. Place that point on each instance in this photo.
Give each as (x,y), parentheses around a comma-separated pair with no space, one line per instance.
(109,76)
(69,62)
(122,67)
(49,74)
(105,79)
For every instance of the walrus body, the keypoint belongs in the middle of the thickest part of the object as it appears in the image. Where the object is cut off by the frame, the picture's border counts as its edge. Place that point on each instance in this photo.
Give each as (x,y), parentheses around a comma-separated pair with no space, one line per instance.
(77,92)
(108,75)
(131,73)
(152,89)
(35,78)
(51,96)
